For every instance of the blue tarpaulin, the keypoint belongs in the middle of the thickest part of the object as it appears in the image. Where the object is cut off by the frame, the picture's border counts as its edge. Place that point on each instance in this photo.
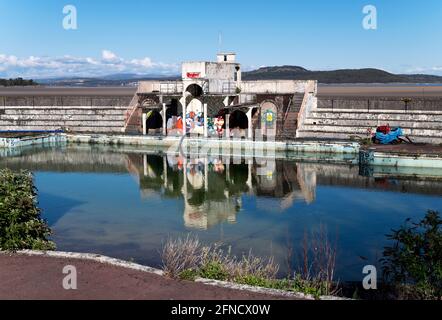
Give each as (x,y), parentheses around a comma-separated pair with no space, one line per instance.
(390,137)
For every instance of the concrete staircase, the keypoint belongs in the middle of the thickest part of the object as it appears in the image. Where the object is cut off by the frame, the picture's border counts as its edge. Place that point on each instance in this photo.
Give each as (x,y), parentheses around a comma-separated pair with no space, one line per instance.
(81,119)
(323,123)
(291,117)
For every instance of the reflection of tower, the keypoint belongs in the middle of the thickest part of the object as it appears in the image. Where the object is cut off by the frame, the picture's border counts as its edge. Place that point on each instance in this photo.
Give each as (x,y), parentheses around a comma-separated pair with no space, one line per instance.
(200,210)
(288,182)
(307,182)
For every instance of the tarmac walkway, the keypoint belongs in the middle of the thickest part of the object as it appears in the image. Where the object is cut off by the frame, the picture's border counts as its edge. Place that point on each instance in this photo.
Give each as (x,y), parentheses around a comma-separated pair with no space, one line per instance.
(40,277)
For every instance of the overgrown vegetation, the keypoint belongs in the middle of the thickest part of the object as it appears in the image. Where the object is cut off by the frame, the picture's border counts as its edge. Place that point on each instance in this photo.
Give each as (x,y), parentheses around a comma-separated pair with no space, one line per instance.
(318,262)
(21,226)
(17,82)
(187,259)
(412,266)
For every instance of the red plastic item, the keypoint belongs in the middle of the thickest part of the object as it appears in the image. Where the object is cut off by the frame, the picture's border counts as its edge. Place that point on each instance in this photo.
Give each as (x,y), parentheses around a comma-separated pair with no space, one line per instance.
(384,129)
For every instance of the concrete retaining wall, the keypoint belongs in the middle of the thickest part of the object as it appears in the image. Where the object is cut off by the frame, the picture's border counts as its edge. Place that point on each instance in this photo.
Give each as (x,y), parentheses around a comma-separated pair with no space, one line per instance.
(381,103)
(346,118)
(82,119)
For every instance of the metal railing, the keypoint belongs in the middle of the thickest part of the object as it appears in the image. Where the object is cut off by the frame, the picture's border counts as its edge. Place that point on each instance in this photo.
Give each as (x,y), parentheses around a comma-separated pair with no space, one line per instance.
(171,87)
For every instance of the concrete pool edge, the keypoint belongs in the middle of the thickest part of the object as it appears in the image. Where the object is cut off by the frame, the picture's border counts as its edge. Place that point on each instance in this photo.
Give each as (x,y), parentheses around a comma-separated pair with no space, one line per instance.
(210,143)
(43,139)
(330,151)
(105,260)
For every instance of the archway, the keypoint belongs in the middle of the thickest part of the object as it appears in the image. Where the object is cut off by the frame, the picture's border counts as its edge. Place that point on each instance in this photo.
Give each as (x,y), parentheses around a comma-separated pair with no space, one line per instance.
(269,116)
(238,123)
(154,121)
(195,90)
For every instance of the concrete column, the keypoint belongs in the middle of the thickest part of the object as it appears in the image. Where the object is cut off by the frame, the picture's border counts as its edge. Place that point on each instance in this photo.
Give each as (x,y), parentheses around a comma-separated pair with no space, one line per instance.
(185,178)
(228,170)
(144,119)
(228,126)
(249,174)
(238,77)
(206,133)
(165,171)
(164,120)
(250,124)
(145,165)
(184,117)
(206,174)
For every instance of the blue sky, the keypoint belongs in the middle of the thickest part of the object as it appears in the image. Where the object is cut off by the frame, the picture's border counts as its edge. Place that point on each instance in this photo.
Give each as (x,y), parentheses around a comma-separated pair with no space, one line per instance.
(155,36)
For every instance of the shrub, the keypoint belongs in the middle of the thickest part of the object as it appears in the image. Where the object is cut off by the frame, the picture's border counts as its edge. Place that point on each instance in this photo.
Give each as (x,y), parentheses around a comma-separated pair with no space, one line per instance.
(413,264)
(21,226)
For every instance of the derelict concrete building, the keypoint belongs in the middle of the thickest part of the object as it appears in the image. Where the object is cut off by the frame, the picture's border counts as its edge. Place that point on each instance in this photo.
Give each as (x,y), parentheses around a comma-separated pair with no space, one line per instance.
(215,91)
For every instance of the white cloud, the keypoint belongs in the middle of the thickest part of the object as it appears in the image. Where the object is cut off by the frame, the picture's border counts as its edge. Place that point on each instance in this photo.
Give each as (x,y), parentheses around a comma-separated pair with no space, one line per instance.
(108,55)
(435,70)
(146,62)
(109,63)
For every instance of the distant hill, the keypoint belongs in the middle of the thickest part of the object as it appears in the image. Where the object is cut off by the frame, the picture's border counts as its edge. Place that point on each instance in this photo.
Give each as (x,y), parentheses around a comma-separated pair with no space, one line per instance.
(337,76)
(126,80)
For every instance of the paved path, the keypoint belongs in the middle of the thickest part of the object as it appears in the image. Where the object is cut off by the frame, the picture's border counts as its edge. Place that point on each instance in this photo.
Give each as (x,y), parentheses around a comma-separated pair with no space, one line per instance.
(38,277)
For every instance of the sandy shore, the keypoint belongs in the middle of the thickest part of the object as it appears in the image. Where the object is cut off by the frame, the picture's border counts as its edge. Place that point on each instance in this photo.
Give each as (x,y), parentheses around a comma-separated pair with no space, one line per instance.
(323,90)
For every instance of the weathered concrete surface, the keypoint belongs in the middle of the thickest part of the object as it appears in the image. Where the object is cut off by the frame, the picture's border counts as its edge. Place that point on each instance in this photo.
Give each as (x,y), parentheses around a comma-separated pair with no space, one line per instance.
(109,119)
(40,277)
(382,103)
(224,146)
(66,91)
(46,139)
(379,91)
(421,126)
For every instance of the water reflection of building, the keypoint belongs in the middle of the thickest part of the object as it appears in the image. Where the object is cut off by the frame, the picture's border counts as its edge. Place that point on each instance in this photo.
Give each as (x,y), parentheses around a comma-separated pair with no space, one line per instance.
(214,188)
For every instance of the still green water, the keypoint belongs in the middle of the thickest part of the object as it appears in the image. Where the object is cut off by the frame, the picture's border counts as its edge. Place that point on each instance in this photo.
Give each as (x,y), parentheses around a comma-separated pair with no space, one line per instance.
(125,203)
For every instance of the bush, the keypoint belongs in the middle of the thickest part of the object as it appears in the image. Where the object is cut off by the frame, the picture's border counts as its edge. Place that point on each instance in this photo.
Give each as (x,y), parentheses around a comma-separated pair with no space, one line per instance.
(413,265)
(21,226)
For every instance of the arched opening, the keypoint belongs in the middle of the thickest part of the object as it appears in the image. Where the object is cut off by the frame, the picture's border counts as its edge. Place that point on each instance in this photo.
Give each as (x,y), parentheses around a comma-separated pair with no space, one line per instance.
(195,90)
(238,120)
(154,122)
(269,116)
(195,106)
(238,123)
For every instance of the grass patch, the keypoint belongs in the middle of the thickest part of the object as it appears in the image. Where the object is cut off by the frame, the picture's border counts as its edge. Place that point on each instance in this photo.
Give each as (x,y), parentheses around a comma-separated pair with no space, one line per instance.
(187,259)
(21,226)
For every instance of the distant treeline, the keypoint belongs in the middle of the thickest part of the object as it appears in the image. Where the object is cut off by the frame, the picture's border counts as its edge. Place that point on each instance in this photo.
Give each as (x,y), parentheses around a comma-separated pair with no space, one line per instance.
(17,82)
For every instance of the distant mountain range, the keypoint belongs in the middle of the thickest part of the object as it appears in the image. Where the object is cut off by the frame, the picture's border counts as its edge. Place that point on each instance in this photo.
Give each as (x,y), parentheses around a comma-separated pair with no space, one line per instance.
(122,79)
(266,73)
(338,76)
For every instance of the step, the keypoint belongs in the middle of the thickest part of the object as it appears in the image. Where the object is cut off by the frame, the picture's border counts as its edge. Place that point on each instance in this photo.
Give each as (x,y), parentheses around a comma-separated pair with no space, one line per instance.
(345,136)
(374,123)
(62,112)
(20,123)
(375,116)
(59,117)
(380,111)
(115,129)
(364,130)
